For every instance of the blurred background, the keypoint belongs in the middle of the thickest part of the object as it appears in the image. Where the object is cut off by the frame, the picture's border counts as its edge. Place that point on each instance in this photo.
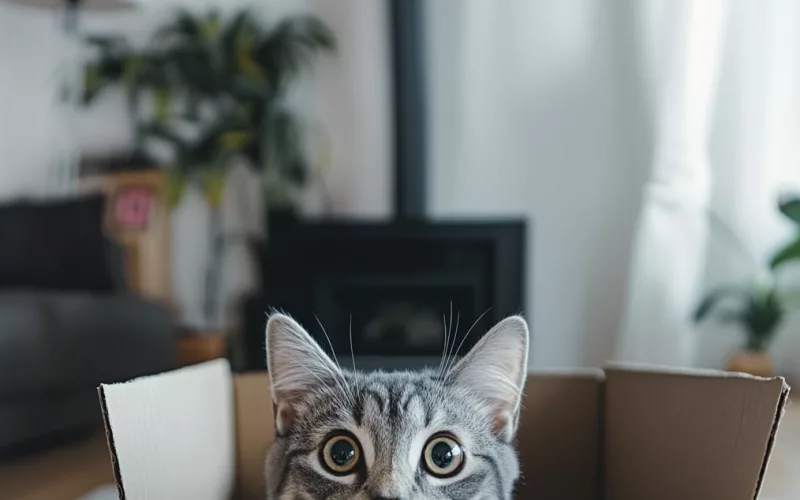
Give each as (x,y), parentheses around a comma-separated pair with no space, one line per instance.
(397,174)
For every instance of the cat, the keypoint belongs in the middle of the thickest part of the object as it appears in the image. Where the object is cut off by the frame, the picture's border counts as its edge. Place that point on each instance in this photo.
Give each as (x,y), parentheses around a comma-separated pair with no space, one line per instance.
(446,434)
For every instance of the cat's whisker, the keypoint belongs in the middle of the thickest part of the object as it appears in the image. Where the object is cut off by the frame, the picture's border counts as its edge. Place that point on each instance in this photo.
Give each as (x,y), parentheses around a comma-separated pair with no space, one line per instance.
(447,368)
(452,338)
(324,332)
(451,335)
(444,347)
(450,352)
(447,338)
(340,378)
(352,353)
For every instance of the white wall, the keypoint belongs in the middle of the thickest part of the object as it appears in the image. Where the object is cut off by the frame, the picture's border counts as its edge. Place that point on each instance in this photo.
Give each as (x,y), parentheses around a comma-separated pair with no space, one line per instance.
(346,97)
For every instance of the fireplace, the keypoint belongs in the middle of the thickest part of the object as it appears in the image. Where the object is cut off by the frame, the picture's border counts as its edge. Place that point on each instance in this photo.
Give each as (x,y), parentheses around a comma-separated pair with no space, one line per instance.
(388,286)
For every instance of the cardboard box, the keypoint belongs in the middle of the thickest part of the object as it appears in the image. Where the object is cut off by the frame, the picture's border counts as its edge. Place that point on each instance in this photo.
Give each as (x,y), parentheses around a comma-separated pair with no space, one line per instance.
(627,433)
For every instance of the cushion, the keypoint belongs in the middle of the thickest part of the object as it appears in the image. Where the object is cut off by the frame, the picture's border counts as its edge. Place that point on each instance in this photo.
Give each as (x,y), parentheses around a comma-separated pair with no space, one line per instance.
(55,245)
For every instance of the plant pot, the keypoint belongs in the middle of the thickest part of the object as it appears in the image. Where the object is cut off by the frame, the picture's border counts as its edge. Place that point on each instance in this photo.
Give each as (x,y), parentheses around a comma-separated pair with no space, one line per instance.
(757,363)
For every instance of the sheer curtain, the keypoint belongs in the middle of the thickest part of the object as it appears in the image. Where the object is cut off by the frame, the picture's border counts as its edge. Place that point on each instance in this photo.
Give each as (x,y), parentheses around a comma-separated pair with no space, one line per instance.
(670,243)
(726,86)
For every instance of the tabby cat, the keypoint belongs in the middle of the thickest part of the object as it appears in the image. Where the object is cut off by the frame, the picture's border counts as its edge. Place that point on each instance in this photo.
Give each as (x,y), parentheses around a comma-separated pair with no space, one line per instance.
(446,434)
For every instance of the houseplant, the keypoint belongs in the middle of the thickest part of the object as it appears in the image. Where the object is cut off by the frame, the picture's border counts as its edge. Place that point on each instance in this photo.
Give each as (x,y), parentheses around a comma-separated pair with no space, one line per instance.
(213,93)
(757,308)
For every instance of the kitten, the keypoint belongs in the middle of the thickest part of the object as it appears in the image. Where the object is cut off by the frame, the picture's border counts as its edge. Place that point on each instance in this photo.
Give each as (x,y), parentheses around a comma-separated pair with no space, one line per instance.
(394,435)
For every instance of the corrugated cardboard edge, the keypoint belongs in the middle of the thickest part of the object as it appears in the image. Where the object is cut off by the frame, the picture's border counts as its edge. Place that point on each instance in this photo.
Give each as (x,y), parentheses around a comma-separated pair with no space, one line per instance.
(680,371)
(112,451)
(779,413)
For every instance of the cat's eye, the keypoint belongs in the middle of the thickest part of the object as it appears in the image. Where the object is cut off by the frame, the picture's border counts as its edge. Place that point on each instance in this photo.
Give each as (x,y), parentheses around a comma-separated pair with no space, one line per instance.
(443,456)
(341,454)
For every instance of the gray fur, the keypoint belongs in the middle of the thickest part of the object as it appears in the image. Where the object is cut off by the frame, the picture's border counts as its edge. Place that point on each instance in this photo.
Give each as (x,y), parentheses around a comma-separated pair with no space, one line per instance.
(394,413)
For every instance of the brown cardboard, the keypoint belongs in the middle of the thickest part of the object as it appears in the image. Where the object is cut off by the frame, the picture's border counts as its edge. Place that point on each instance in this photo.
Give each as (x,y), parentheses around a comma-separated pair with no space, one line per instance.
(629,435)
(559,436)
(254,432)
(703,435)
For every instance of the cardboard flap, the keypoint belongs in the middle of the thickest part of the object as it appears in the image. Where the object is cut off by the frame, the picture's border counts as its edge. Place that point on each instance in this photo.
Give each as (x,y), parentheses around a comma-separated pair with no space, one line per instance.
(255,432)
(172,435)
(559,436)
(688,435)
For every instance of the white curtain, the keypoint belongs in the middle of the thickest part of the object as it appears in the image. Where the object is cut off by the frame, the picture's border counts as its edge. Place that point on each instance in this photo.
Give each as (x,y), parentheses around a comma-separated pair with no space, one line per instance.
(667,265)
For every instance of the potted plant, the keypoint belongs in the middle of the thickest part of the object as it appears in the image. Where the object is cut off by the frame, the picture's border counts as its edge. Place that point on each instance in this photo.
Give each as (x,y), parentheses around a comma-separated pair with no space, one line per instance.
(757,309)
(213,92)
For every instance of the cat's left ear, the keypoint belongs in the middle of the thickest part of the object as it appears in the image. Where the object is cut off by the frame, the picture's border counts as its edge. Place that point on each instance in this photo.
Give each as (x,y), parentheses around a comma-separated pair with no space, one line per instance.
(496,369)
(297,365)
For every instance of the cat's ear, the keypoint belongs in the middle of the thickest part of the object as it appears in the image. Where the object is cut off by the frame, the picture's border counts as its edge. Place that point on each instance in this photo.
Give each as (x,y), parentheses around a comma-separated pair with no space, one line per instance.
(496,368)
(296,363)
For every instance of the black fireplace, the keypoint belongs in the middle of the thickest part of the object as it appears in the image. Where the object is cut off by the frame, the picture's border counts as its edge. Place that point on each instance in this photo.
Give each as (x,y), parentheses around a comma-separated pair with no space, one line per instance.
(395,288)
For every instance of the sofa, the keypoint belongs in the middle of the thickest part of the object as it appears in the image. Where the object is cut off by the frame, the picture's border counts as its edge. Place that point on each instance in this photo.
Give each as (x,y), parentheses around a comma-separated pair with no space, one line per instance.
(67,320)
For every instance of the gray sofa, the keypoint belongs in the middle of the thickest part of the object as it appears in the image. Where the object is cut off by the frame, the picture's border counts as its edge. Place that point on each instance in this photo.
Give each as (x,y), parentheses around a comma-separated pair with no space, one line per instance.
(56,347)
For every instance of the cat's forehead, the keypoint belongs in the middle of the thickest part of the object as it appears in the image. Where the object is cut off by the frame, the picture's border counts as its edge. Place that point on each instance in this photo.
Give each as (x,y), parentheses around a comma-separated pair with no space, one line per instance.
(407,400)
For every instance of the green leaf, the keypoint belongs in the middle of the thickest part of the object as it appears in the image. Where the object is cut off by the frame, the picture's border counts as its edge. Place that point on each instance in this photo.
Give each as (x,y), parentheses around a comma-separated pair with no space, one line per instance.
(163,103)
(184,26)
(131,69)
(240,33)
(790,207)
(213,187)
(711,300)
(281,142)
(108,43)
(235,140)
(92,83)
(249,89)
(292,45)
(192,65)
(788,253)
(761,318)
(210,26)
(176,187)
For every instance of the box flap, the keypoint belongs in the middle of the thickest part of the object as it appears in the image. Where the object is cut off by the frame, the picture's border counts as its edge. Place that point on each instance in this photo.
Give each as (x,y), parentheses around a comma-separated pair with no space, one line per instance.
(172,435)
(255,431)
(687,434)
(559,436)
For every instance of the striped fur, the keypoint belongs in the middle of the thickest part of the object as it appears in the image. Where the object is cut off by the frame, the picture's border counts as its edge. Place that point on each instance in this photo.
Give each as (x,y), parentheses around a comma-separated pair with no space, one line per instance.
(392,414)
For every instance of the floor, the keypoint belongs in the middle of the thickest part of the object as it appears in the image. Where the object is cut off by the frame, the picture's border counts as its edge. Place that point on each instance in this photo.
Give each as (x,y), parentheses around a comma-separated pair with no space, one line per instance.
(72,472)
(782,481)
(65,474)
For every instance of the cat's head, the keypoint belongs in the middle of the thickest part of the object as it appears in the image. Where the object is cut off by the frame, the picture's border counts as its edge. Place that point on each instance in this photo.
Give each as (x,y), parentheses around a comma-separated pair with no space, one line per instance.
(396,435)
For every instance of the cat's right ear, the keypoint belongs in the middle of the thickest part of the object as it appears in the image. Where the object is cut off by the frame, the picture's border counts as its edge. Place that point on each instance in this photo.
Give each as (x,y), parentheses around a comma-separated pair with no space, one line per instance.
(496,369)
(296,363)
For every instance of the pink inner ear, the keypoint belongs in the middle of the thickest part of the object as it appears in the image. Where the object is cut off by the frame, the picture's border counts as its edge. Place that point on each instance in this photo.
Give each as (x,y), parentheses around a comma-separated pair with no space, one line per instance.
(502,419)
(283,406)
(284,418)
(501,425)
